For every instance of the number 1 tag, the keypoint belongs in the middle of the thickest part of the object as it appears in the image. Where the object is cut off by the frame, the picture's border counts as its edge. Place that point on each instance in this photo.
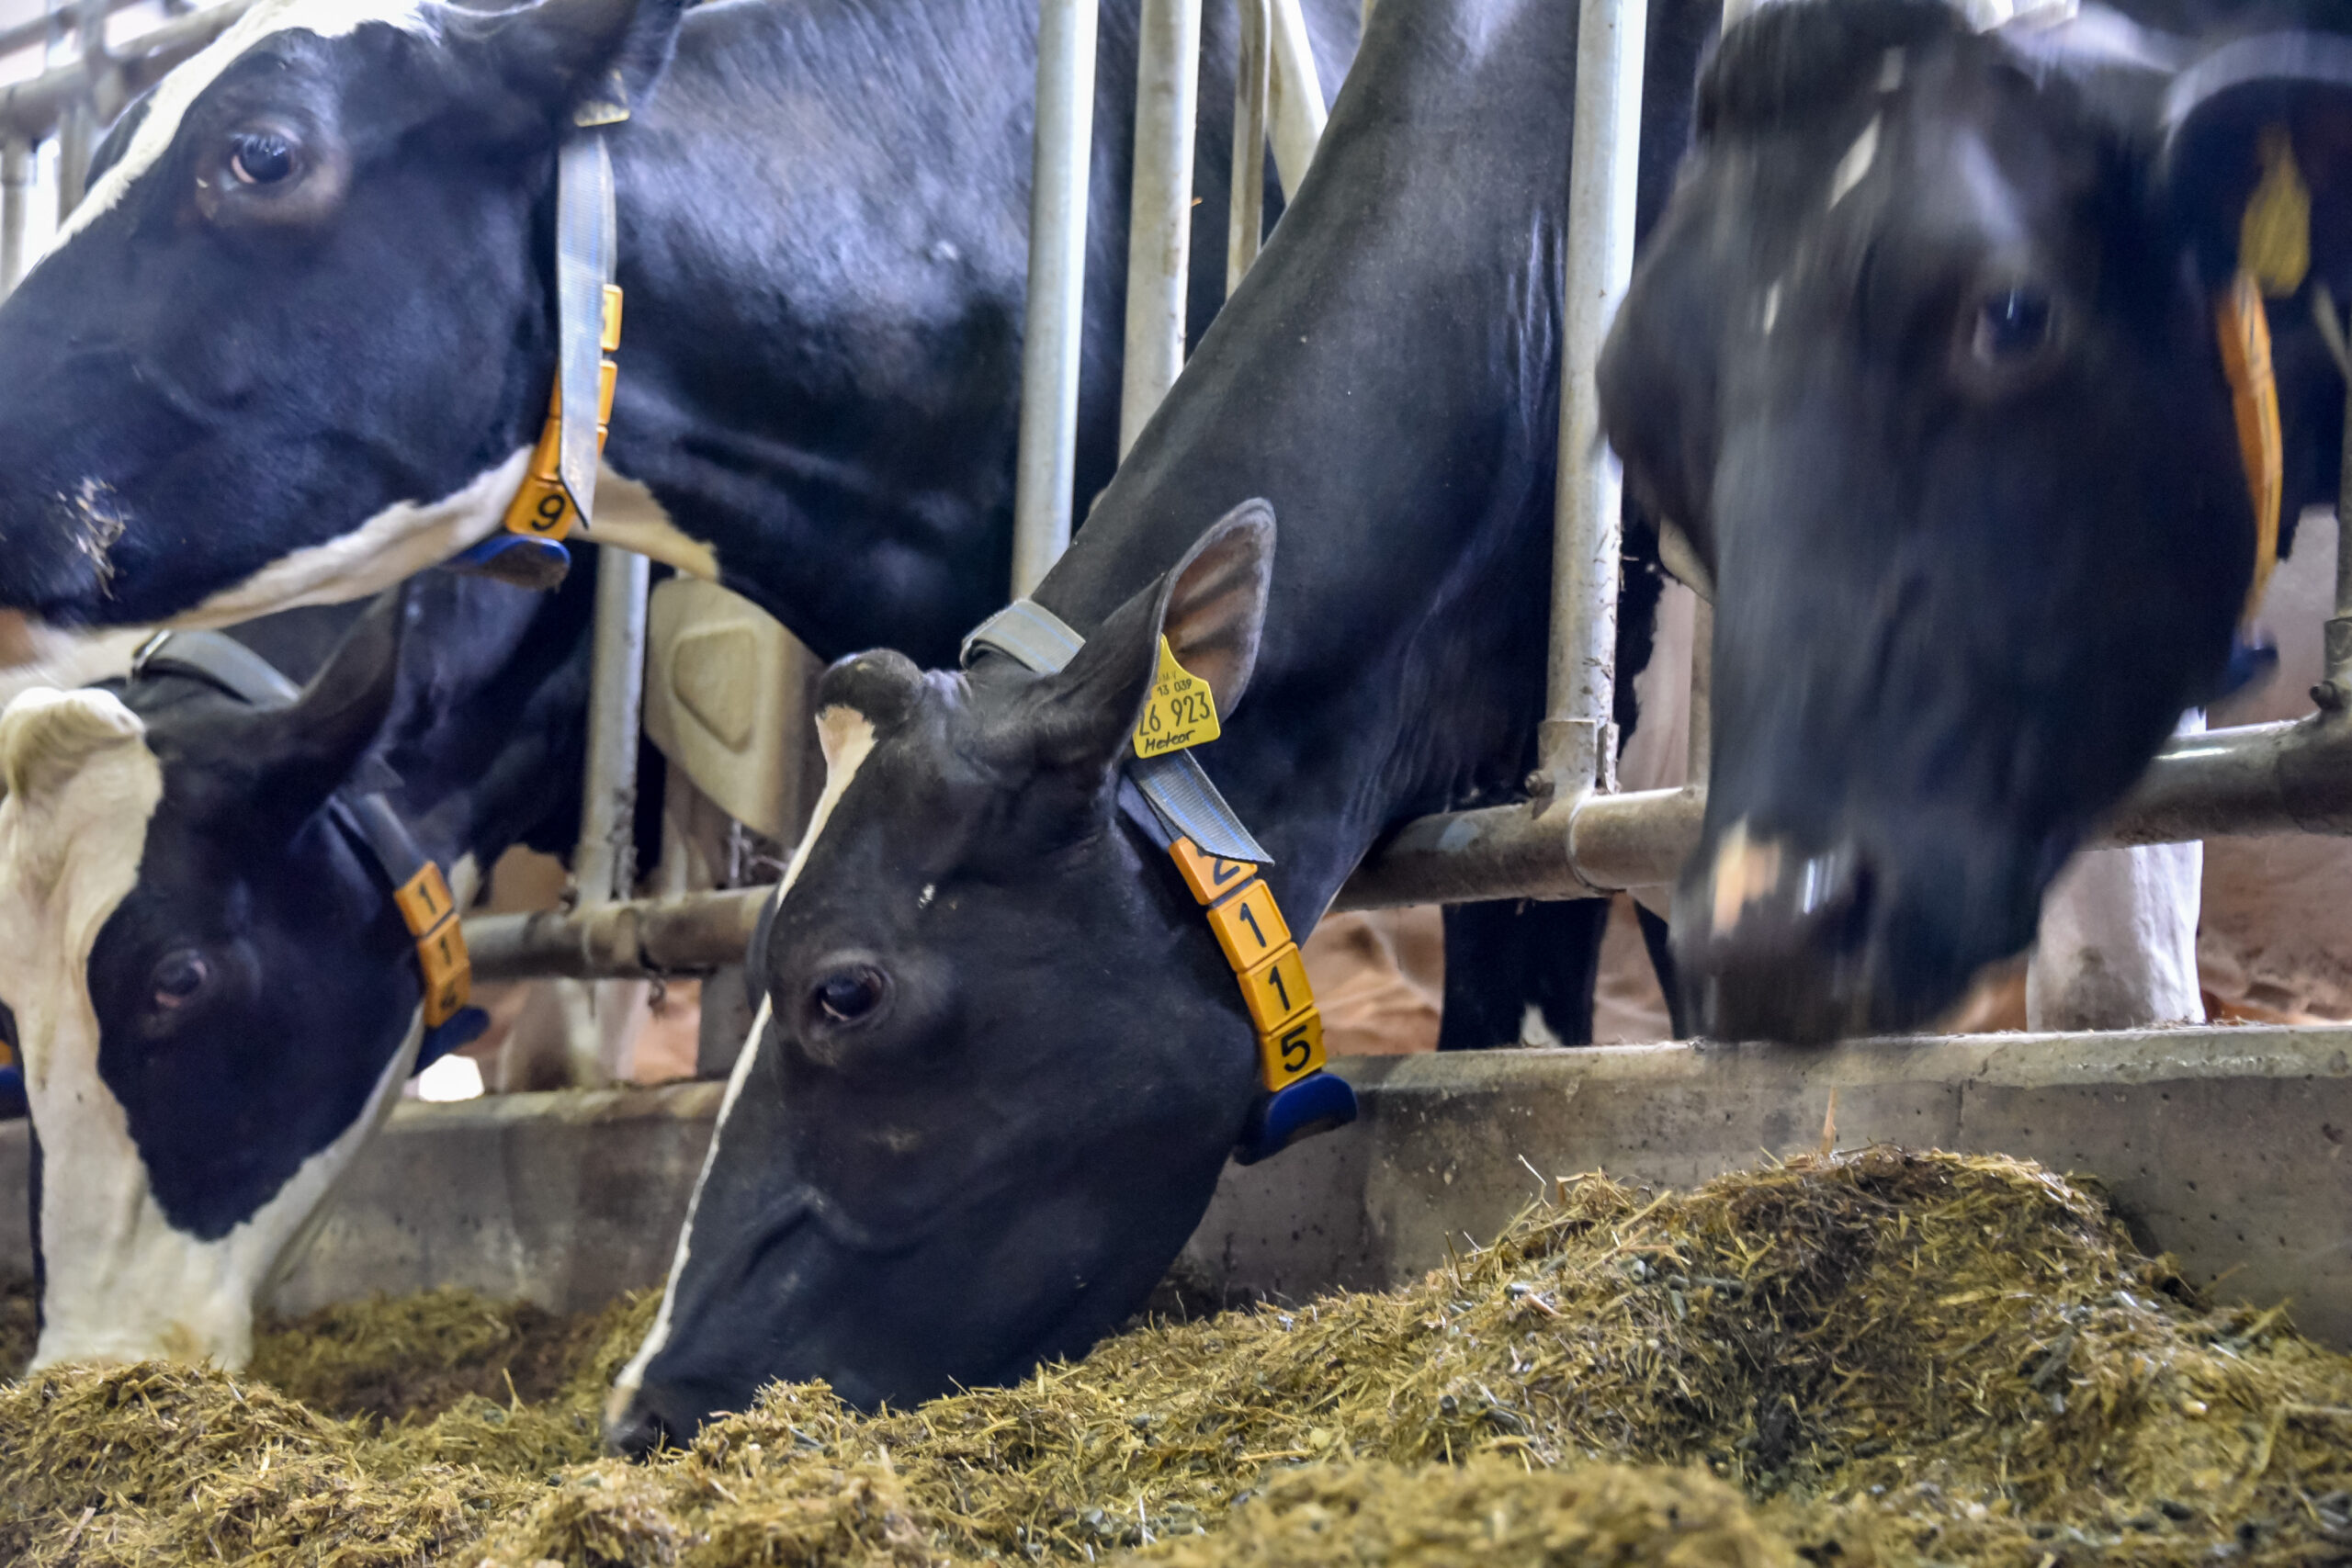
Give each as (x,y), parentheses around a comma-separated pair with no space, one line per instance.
(1183,711)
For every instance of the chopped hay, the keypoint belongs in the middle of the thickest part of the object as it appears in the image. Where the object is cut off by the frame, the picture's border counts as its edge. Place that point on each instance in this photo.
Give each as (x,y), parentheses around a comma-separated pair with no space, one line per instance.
(1869,1359)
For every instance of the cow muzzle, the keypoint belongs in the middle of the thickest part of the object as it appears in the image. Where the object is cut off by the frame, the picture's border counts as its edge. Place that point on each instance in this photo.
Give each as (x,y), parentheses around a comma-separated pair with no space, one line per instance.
(1772,940)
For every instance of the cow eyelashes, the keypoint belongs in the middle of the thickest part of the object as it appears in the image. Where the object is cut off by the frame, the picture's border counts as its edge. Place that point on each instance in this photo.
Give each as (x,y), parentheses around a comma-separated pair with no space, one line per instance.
(260,157)
(849,995)
(179,978)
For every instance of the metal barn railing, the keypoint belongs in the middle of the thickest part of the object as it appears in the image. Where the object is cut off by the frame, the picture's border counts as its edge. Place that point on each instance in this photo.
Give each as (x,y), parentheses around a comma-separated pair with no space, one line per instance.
(1577,835)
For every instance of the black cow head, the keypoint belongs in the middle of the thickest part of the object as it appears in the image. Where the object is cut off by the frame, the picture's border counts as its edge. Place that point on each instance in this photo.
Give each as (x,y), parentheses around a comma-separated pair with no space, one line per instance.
(214,995)
(1000,1062)
(291,346)
(1922,363)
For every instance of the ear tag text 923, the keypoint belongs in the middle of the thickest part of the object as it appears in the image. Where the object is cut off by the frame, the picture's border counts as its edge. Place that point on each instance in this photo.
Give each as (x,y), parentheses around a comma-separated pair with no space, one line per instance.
(1181,713)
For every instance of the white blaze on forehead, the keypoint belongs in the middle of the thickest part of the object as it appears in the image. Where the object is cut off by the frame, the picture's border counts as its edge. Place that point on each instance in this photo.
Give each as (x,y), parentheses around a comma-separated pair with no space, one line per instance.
(1855,163)
(846,736)
(174,95)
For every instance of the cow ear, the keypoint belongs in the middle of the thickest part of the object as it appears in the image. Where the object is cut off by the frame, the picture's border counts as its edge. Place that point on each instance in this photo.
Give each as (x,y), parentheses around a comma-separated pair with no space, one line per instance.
(586,59)
(307,750)
(49,737)
(1212,609)
(2258,159)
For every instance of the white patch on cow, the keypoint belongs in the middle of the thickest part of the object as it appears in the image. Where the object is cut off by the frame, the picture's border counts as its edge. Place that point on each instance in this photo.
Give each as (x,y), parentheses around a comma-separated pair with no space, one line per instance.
(184,86)
(1855,163)
(846,738)
(394,545)
(1771,307)
(628,518)
(1890,71)
(121,1283)
(1534,1029)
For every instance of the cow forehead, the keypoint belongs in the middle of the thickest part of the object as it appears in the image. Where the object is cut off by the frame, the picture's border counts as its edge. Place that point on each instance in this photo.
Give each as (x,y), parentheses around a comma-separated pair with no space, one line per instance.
(168,105)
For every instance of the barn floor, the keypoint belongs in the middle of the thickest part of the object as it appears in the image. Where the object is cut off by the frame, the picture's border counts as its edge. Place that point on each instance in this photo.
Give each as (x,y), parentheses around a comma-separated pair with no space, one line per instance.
(1872,1357)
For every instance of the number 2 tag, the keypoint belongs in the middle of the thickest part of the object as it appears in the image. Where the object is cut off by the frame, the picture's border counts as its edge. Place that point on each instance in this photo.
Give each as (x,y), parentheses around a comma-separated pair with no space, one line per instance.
(1183,711)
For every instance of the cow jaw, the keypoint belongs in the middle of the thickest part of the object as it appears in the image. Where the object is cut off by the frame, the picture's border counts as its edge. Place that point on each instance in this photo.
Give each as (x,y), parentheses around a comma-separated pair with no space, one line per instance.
(846,738)
(397,543)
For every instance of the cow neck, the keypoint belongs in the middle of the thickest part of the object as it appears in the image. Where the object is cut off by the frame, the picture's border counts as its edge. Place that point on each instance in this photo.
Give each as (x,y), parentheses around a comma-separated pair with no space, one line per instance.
(1172,800)
(1387,379)
(367,818)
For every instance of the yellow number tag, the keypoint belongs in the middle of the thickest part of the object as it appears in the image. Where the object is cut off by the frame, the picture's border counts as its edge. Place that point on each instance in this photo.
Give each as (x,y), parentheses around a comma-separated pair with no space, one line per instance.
(423,899)
(1210,877)
(1182,712)
(448,972)
(2275,234)
(1290,1052)
(1277,990)
(1248,927)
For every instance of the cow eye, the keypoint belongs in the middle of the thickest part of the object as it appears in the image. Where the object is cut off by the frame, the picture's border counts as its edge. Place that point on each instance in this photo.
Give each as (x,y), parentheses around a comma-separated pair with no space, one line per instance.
(849,995)
(180,977)
(2012,325)
(260,157)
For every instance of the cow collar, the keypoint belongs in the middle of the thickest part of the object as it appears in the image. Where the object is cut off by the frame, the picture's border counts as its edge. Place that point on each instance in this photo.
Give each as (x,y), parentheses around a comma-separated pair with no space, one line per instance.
(558,489)
(366,818)
(1172,799)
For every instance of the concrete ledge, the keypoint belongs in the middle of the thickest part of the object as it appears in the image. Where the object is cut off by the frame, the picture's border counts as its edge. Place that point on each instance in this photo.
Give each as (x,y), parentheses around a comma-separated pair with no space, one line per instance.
(2224,1147)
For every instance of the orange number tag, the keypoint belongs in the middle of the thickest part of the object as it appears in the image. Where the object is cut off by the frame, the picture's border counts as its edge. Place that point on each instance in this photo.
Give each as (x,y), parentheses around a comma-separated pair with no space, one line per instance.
(423,899)
(448,972)
(1209,877)
(1276,989)
(1289,1054)
(1248,927)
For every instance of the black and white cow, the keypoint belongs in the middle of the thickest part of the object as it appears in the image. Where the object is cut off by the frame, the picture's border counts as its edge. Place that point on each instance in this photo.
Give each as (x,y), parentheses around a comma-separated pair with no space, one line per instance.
(1923,362)
(215,997)
(297,342)
(1001,1061)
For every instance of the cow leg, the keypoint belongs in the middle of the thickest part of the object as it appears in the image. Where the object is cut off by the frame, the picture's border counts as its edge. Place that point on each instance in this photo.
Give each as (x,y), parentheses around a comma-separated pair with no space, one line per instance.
(2117,944)
(1520,972)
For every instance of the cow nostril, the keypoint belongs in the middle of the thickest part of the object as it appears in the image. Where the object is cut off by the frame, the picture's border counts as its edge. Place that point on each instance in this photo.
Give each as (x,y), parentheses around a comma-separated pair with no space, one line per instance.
(640,1432)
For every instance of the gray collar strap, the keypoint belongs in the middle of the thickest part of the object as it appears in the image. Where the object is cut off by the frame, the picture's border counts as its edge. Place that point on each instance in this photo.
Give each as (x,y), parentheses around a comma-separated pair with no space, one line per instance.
(1179,791)
(224,663)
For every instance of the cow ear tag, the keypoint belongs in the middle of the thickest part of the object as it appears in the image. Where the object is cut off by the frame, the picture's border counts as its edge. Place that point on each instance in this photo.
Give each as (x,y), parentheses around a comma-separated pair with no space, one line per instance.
(522,559)
(2275,233)
(1181,713)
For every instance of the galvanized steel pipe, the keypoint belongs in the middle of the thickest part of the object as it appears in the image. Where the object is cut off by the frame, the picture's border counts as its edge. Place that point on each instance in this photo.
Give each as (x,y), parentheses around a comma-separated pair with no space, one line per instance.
(1160,217)
(15,197)
(1252,87)
(603,867)
(1579,748)
(1053,334)
(31,108)
(1295,99)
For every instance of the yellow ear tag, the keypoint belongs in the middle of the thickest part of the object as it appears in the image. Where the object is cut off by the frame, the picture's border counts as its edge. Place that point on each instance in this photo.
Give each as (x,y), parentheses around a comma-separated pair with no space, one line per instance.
(2275,235)
(1182,712)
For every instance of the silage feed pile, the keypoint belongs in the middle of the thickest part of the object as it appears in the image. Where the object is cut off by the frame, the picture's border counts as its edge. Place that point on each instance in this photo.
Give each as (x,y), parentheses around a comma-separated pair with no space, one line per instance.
(1858,1360)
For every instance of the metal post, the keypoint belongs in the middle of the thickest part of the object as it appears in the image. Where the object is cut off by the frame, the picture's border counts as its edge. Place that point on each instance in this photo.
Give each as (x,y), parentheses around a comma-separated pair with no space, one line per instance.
(1051,342)
(1159,218)
(603,868)
(1700,737)
(1252,86)
(15,196)
(1578,745)
(1294,112)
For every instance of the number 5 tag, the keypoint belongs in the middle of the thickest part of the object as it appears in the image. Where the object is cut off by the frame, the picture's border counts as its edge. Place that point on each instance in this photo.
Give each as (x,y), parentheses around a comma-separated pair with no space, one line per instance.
(1183,711)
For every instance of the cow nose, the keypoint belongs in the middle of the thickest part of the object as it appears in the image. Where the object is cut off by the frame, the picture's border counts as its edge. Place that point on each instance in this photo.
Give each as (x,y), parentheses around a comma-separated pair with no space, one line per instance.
(636,1428)
(1771,941)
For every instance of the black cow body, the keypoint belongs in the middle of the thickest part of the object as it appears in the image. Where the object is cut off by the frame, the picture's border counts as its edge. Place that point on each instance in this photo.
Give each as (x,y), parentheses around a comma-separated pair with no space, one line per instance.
(1004,1061)
(305,317)
(1923,361)
(252,995)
